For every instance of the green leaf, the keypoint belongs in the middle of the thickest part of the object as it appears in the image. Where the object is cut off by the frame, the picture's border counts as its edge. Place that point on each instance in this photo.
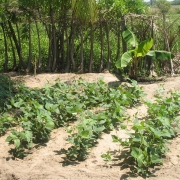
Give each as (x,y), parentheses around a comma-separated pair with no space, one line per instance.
(130,38)
(135,152)
(8,139)
(160,55)
(17,143)
(125,59)
(155,159)
(99,129)
(143,48)
(85,134)
(49,125)
(115,138)
(28,135)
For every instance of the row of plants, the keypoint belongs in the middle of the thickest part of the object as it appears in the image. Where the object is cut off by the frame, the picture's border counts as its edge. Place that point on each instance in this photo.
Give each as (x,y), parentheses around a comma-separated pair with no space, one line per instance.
(86,110)
(111,113)
(33,113)
(148,142)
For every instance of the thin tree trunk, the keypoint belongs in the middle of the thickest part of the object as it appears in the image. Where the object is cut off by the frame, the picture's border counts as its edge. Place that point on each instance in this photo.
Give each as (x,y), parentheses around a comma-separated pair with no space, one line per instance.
(118,43)
(21,62)
(73,27)
(123,25)
(67,52)
(54,50)
(30,50)
(91,50)
(39,47)
(49,64)
(109,48)
(151,67)
(18,46)
(81,52)
(5,48)
(61,54)
(102,48)
(14,54)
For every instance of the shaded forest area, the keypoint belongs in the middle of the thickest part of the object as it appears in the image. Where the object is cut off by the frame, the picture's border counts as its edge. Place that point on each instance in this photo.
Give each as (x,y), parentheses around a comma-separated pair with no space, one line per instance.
(78,36)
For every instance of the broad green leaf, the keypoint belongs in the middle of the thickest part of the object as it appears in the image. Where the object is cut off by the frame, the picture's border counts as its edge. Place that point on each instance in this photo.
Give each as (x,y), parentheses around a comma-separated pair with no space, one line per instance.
(143,48)
(8,139)
(49,125)
(137,138)
(28,135)
(85,134)
(130,38)
(151,53)
(17,143)
(156,159)
(138,155)
(125,59)
(160,55)
(99,129)
(17,104)
(135,152)
(140,160)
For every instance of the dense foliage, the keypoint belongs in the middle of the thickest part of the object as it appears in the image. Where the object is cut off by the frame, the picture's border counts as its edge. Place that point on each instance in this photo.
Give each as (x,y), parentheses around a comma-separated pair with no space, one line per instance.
(60,35)
(73,36)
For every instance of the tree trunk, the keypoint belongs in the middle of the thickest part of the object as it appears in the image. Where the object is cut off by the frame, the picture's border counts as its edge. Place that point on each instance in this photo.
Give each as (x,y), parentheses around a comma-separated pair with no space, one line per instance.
(81,52)
(39,48)
(67,52)
(14,54)
(21,62)
(18,46)
(30,50)
(61,54)
(49,64)
(73,27)
(5,48)
(109,49)
(91,50)
(123,25)
(54,50)
(118,44)
(102,48)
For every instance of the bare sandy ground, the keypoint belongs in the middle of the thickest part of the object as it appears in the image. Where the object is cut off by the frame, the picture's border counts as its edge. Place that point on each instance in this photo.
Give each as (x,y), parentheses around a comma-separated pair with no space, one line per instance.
(47,161)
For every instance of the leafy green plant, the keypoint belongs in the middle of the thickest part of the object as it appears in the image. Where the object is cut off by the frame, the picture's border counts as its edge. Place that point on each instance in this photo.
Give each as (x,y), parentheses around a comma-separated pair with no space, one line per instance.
(107,156)
(97,107)
(148,142)
(22,140)
(6,121)
(140,50)
(110,115)
(81,140)
(7,90)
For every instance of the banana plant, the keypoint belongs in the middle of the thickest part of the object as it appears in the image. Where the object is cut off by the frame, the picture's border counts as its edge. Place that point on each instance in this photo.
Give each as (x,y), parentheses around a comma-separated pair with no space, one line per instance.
(132,57)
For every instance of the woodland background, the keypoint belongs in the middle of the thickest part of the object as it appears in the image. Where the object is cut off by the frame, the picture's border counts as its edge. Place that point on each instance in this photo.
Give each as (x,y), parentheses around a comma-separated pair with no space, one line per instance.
(83,35)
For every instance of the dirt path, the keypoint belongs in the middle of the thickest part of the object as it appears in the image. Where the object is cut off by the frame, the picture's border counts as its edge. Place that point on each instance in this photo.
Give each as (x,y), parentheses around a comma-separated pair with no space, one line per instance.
(47,161)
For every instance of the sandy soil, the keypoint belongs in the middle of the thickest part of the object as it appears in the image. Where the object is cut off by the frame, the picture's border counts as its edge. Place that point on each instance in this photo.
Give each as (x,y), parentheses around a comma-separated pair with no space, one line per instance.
(47,161)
